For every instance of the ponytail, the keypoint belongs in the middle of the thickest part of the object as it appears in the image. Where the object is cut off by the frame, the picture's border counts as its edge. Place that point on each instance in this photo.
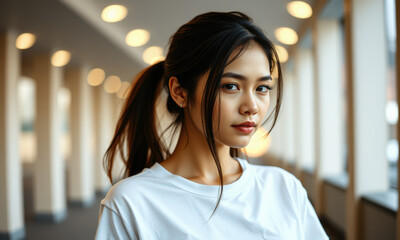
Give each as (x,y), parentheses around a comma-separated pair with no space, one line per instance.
(136,128)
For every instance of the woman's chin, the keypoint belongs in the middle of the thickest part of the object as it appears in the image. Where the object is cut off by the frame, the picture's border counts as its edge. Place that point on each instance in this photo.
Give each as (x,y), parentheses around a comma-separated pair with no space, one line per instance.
(240,144)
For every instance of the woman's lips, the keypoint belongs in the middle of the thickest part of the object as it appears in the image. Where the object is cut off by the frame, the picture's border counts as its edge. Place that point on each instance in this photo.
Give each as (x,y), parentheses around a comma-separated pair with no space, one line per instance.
(243,129)
(246,127)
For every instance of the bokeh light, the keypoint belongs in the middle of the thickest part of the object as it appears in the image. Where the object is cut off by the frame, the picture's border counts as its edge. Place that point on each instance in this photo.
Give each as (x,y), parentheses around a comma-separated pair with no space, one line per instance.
(152,54)
(392,151)
(286,35)
(299,9)
(392,112)
(96,77)
(25,40)
(60,58)
(112,84)
(137,37)
(114,13)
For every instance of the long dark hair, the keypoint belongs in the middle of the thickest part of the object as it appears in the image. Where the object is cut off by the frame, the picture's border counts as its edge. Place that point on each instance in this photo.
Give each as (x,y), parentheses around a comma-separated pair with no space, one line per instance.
(203,44)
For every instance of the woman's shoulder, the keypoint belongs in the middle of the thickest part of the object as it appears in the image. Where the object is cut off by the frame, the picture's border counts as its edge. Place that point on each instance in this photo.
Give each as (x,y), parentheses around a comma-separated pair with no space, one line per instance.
(271,171)
(275,176)
(128,190)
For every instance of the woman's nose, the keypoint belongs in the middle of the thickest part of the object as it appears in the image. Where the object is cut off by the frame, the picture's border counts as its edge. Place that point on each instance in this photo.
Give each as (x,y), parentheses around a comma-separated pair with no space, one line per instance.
(249,105)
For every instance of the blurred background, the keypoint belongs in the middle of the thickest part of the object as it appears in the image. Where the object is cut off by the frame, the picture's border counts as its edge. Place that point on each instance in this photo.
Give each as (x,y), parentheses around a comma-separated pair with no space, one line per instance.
(66,66)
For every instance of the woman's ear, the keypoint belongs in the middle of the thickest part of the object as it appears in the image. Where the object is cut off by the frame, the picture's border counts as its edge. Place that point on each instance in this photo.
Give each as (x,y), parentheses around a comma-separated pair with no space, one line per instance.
(178,93)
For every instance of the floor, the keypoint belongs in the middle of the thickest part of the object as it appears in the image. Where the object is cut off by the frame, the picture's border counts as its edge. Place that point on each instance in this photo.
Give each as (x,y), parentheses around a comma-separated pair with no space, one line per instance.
(332,232)
(81,223)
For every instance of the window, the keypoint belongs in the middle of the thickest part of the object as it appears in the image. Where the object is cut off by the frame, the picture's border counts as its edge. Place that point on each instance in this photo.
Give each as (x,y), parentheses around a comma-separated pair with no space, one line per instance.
(391,111)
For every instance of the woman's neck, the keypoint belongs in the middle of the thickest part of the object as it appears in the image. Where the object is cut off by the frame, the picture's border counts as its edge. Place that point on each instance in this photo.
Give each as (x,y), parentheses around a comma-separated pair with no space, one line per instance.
(192,159)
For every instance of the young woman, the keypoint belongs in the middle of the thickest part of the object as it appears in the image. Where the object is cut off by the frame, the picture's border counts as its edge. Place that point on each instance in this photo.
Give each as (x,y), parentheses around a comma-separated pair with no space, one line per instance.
(217,75)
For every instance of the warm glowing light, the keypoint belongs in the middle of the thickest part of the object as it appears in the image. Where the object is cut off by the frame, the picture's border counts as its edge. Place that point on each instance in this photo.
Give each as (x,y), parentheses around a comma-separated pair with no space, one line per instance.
(286,35)
(282,53)
(112,84)
(60,58)
(124,90)
(137,37)
(114,13)
(259,143)
(96,77)
(152,54)
(299,9)
(25,40)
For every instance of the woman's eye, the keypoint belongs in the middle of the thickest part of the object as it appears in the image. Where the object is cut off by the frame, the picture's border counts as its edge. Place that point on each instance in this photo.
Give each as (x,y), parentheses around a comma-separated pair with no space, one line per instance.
(230,87)
(263,89)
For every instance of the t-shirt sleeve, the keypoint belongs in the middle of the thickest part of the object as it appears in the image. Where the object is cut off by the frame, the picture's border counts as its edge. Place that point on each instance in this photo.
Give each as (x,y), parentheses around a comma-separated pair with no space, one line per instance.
(111,226)
(311,225)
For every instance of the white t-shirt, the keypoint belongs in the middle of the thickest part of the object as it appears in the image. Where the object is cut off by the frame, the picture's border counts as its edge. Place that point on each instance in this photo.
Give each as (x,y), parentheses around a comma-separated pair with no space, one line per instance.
(264,203)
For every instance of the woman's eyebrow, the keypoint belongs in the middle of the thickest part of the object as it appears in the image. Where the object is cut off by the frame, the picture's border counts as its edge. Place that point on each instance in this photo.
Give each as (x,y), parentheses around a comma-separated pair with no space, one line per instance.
(241,77)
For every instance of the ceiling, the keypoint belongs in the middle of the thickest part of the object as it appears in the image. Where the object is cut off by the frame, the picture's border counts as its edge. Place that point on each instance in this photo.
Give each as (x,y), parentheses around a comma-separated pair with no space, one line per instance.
(76,25)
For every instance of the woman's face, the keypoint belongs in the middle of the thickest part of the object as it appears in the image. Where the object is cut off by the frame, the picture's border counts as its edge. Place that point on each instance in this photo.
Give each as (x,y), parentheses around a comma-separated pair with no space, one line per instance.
(244,98)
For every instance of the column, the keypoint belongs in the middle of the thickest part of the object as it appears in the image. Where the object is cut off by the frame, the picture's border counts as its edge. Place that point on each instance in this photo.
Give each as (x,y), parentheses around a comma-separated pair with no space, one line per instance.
(330,95)
(367,65)
(81,179)
(289,121)
(103,132)
(49,175)
(11,198)
(328,92)
(305,146)
(398,104)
